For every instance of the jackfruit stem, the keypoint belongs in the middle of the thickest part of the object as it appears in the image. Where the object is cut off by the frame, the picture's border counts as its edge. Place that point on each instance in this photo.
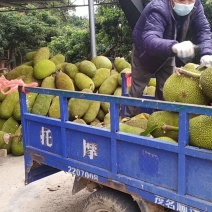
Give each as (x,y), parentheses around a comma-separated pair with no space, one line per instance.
(169,128)
(187,73)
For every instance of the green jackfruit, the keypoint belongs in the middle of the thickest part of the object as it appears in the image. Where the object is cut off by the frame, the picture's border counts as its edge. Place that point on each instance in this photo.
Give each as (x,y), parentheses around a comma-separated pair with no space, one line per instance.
(64,82)
(180,88)
(88,68)
(30,99)
(79,121)
(160,118)
(8,105)
(78,107)
(19,71)
(41,54)
(3,96)
(10,126)
(164,138)
(120,64)
(101,75)
(2,121)
(109,85)
(107,119)
(126,70)
(54,110)
(201,131)
(43,69)
(58,59)
(30,55)
(101,114)
(82,81)
(17,147)
(71,70)
(42,104)
(152,82)
(130,129)
(29,78)
(92,112)
(150,90)
(102,62)
(118,91)
(105,106)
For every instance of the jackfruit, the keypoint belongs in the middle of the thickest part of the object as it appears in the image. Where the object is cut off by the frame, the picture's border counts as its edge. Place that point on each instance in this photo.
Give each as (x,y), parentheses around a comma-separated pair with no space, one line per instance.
(107,119)
(150,90)
(17,147)
(54,109)
(42,104)
(92,112)
(30,55)
(2,121)
(165,138)
(180,88)
(30,99)
(109,85)
(141,123)
(29,78)
(101,75)
(201,131)
(126,70)
(19,71)
(102,62)
(160,118)
(120,64)
(2,138)
(88,68)
(113,71)
(118,91)
(8,105)
(101,114)
(64,82)
(78,107)
(130,129)
(42,54)
(105,106)
(79,121)
(58,59)
(71,70)
(82,81)
(152,82)
(43,69)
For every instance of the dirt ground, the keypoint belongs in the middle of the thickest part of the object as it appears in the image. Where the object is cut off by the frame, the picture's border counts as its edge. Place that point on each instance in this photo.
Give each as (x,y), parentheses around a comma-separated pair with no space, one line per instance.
(50,194)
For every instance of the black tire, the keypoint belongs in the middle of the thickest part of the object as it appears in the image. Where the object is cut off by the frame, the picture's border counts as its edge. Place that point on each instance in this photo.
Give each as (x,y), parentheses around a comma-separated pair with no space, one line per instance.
(108,200)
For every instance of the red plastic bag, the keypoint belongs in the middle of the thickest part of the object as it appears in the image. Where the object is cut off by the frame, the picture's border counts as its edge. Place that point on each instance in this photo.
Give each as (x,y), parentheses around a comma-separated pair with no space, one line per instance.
(13,85)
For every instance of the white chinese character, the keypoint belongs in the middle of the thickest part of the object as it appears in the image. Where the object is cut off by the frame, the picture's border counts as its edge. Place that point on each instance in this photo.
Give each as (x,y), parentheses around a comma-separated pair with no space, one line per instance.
(46,137)
(181,208)
(89,149)
(170,204)
(159,200)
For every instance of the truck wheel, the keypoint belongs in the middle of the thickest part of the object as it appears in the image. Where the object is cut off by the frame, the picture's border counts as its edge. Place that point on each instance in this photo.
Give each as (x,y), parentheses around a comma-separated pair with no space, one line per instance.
(108,200)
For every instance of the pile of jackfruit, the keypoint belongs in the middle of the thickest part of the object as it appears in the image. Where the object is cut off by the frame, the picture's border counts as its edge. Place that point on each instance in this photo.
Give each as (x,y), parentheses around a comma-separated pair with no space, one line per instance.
(98,75)
(188,85)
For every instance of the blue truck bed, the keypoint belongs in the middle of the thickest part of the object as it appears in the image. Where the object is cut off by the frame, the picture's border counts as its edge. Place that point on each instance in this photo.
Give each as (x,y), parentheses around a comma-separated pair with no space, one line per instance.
(177,176)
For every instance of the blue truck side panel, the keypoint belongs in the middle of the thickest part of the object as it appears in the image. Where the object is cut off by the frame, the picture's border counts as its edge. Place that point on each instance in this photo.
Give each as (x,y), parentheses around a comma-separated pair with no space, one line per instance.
(177,176)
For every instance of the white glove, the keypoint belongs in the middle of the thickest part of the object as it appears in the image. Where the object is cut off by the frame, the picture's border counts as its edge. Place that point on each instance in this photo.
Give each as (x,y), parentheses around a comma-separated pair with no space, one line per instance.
(206,60)
(184,49)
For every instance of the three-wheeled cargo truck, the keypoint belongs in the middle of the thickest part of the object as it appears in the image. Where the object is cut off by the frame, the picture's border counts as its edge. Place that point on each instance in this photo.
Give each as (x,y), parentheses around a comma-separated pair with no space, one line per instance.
(125,172)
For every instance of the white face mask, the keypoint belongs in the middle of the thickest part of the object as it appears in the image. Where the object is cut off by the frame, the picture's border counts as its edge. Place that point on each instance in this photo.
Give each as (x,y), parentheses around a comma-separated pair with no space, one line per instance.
(183,9)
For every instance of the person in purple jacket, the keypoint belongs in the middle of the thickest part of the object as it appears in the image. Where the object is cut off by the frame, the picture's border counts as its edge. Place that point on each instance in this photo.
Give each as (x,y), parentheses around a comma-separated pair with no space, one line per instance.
(159,36)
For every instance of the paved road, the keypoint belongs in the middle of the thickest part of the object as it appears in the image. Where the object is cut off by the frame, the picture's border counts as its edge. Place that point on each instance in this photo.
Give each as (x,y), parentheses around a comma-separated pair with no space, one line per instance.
(50,194)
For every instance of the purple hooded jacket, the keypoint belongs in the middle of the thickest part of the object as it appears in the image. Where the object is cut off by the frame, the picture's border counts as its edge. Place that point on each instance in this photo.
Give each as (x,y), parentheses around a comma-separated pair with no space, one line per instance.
(155,33)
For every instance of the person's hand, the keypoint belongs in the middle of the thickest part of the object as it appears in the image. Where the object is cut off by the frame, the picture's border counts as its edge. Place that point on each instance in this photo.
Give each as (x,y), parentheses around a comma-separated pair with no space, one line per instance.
(184,49)
(206,61)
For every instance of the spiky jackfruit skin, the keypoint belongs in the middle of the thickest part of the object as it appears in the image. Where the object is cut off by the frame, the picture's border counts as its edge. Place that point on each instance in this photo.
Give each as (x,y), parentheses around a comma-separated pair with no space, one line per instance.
(30,99)
(180,88)
(58,59)
(10,126)
(92,112)
(30,55)
(19,71)
(64,82)
(161,118)
(41,54)
(152,82)
(201,131)
(120,64)
(102,62)
(8,105)
(206,82)
(17,147)
(42,104)
(71,70)
(101,75)
(82,81)
(78,107)
(88,68)
(109,85)
(54,109)
(43,69)
(150,90)
(164,138)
